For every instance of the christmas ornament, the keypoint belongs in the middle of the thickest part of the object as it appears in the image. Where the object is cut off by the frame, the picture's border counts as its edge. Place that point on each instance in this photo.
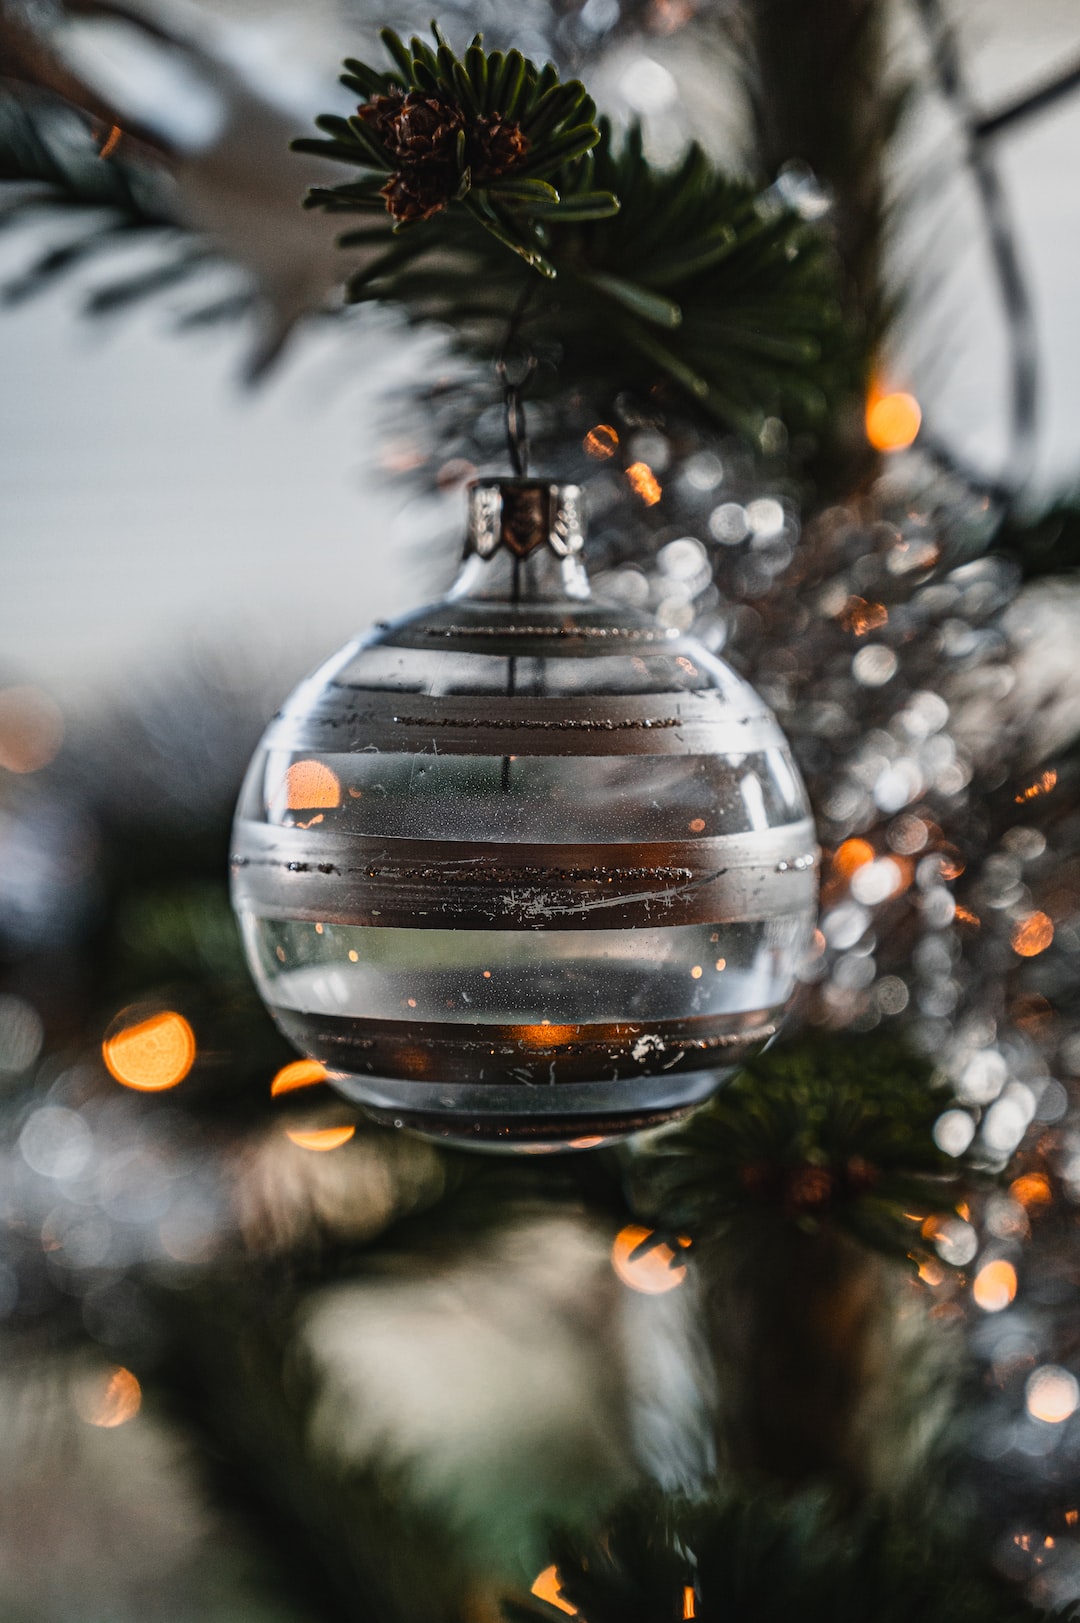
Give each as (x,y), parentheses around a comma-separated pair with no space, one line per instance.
(523,868)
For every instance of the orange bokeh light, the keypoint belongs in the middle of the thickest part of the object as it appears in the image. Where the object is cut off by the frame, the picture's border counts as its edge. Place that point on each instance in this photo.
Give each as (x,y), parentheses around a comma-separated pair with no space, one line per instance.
(860,616)
(320,1138)
(892,420)
(850,856)
(1033,935)
(1031,1189)
(548,1586)
(31,729)
(153,1054)
(654,1270)
(994,1286)
(302,1073)
(1042,786)
(644,483)
(309,785)
(112,1401)
(689,1601)
(601,441)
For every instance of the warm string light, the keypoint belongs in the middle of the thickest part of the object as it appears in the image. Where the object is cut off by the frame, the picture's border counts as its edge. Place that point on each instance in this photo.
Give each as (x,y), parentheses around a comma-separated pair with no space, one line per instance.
(112,141)
(860,617)
(893,419)
(302,1073)
(109,1401)
(601,442)
(1032,935)
(319,1138)
(653,1269)
(151,1055)
(547,1586)
(994,1286)
(1031,1189)
(1042,786)
(644,483)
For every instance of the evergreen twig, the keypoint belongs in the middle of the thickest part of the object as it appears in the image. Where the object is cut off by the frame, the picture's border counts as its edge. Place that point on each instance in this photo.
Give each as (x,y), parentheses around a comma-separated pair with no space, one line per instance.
(684,280)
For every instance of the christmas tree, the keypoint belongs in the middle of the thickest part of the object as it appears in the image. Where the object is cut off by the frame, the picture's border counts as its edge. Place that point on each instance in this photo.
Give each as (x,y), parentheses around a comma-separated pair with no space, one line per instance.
(809,1347)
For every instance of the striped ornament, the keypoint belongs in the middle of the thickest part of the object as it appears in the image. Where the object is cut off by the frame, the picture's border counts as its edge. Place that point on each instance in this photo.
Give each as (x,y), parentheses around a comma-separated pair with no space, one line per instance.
(521,868)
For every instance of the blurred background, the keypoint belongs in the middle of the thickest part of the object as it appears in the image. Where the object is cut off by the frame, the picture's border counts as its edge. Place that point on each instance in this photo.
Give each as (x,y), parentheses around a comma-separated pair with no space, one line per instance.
(262,1360)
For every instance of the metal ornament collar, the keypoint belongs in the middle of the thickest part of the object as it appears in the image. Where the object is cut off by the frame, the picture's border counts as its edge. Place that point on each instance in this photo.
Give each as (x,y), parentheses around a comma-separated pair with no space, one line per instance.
(524,515)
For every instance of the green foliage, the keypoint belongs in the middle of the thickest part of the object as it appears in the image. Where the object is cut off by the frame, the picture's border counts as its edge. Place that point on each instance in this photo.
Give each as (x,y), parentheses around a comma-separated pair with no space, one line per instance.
(823,1131)
(750,1560)
(51,163)
(698,288)
(466,100)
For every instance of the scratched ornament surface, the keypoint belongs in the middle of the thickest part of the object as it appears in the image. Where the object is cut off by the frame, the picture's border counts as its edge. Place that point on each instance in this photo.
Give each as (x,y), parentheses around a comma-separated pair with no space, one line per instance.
(523,869)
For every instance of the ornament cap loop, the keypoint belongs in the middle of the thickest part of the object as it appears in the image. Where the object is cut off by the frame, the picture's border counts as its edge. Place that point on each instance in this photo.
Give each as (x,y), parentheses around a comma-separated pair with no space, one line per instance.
(523,515)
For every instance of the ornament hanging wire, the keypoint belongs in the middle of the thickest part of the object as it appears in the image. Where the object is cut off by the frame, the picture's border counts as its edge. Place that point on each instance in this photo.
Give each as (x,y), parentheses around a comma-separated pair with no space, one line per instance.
(517,437)
(513,386)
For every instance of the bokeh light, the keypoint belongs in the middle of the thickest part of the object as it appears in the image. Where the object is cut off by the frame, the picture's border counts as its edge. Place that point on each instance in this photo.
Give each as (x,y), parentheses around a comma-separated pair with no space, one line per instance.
(109,1400)
(31,729)
(1052,1394)
(892,420)
(320,1138)
(649,1269)
(548,1587)
(1031,1189)
(852,855)
(1042,786)
(994,1286)
(644,483)
(302,1073)
(310,785)
(601,441)
(1032,935)
(152,1054)
(954,1131)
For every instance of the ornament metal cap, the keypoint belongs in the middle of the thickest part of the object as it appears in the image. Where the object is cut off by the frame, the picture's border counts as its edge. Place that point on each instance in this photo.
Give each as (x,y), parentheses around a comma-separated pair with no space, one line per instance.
(523,515)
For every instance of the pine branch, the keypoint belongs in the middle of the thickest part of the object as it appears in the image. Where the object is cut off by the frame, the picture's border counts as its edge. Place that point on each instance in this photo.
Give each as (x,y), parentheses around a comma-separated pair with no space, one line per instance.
(754,1560)
(825,1132)
(487,133)
(54,162)
(681,280)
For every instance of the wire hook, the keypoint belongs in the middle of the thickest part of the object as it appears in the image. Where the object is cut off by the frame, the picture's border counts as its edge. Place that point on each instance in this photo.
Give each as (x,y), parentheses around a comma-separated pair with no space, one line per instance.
(517,437)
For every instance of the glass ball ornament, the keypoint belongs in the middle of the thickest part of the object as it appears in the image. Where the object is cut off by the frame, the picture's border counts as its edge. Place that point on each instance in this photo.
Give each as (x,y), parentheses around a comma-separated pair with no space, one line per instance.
(525,869)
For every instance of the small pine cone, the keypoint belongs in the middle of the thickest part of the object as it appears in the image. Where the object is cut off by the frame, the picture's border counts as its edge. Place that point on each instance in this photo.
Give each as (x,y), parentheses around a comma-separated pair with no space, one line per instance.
(496,145)
(419,191)
(380,114)
(419,128)
(809,1189)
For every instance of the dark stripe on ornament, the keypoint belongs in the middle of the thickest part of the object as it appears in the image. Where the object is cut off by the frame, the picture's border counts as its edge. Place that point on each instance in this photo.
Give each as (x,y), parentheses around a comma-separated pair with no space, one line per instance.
(493,1055)
(652,724)
(433,884)
(582,1130)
